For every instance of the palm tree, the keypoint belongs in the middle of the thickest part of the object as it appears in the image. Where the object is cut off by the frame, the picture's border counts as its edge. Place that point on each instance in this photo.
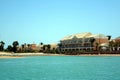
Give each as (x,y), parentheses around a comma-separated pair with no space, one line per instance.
(44,47)
(23,46)
(28,45)
(9,48)
(111,45)
(48,47)
(118,45)
(115,45)
(97,44)
(109,37)
(15,44)
(41,47)
(92,40)
(41,43)
(60,46)
(2,46)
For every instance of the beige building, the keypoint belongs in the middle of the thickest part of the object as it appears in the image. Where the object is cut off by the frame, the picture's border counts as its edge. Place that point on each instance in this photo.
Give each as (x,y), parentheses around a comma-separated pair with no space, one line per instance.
(54,46)
(83,41)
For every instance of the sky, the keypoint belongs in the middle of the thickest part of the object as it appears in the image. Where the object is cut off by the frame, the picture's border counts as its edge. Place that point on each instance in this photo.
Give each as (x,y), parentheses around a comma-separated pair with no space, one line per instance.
(48,21)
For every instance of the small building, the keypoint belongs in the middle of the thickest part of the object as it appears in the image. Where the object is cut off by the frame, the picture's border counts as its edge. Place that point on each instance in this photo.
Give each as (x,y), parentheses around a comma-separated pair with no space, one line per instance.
(117,43)
(33,46)
(117,39)
(54,46)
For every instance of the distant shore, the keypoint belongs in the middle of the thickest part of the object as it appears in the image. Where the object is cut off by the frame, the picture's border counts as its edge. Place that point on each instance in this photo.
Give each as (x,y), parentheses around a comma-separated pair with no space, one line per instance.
(20,55)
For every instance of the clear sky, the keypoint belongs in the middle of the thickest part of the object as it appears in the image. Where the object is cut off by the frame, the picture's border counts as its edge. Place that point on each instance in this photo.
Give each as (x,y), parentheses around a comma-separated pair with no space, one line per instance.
(47,21)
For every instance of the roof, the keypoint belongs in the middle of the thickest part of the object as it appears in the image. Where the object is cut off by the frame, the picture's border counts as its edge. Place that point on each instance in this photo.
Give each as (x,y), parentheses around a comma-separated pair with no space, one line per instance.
(118,37)
(98,36)
(79,35)
(84,35)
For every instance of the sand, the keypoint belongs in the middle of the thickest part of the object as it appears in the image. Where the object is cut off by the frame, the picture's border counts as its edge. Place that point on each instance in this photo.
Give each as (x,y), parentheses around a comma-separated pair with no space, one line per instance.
(10,57)
(21,55)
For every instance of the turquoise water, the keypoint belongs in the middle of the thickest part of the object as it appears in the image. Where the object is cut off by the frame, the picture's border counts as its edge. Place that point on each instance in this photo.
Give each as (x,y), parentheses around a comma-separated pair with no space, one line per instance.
(60,68)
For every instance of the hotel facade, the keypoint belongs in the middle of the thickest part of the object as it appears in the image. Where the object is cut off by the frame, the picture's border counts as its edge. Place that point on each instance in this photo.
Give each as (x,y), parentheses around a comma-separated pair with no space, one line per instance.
(84,41)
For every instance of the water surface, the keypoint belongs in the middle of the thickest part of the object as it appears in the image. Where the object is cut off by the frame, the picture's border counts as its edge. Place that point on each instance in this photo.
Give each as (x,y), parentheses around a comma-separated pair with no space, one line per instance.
(61,68)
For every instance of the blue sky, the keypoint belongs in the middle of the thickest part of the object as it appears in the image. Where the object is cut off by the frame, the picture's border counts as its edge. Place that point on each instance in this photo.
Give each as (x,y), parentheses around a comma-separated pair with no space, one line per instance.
(47,21)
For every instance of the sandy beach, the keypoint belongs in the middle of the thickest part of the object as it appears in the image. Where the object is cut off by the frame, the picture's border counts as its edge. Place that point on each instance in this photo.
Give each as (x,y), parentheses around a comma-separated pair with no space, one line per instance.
(20,55)
(11,57)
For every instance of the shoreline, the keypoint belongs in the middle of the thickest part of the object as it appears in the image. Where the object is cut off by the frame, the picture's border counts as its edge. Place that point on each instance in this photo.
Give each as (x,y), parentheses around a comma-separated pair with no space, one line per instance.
(21,55)
(2,57)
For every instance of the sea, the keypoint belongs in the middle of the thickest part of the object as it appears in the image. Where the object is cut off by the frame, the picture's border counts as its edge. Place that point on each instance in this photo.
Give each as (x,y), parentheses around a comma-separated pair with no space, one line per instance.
(60,68)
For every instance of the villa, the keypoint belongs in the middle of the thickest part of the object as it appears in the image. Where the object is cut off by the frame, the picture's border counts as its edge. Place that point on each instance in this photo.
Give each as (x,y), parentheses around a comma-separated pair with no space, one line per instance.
(84,41)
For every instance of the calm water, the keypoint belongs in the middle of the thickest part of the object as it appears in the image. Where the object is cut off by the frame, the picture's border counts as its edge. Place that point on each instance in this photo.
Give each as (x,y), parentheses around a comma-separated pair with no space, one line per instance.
(60,68)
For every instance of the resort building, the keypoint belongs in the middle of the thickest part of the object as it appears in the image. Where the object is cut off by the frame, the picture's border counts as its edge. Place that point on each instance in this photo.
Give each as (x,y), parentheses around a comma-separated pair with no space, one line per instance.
(83,41)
